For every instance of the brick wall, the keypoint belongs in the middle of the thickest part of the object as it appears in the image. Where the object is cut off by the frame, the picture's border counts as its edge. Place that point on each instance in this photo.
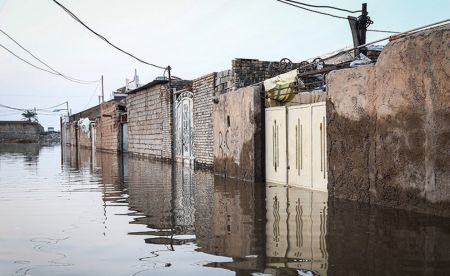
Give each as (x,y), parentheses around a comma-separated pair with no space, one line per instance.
(246,72)
(203,90)
(108,128)
(145,122)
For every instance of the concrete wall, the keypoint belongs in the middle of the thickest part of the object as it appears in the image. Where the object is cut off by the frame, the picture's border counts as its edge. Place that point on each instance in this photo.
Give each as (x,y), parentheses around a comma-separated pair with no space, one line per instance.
(20,132)
(389,125)
(108,128)
(238,135)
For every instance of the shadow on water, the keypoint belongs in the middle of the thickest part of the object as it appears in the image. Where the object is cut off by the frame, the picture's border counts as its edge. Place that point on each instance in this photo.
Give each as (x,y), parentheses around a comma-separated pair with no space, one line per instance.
(266,229)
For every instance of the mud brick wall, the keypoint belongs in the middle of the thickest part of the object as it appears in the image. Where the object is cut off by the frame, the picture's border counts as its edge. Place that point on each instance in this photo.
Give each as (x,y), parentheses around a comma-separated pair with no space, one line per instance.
(20,132)
(203,94)
(238,135)
(108,128)
(389,126)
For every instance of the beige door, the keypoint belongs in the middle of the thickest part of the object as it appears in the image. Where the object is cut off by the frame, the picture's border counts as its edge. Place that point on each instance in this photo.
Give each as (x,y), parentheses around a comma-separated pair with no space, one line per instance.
(299,146)
(318,145)
(276,159)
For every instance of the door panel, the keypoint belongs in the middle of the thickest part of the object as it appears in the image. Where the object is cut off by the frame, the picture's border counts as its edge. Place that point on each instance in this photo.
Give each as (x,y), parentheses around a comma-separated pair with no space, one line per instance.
(319,151)
(299,145)
(183,127)
(276,159)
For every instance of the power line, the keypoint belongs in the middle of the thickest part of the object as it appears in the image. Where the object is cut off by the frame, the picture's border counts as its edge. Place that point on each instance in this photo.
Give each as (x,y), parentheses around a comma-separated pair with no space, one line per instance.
(103,38)
(42,109)
(319,6)
(381,31)
(35,66)
(306,9)
(13,108)
(48,66)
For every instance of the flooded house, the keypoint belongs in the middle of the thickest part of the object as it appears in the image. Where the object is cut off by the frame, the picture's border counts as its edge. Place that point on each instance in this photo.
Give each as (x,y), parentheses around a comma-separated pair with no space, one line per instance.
(332,124)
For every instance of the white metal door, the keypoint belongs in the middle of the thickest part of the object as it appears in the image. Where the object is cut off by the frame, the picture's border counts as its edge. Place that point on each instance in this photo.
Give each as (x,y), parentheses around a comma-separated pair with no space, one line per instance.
(299,146)
(275,133)
(318,145)
(184,126)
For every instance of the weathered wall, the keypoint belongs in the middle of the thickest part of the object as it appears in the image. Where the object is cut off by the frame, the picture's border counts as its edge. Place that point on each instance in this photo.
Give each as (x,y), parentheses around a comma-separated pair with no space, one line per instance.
(238,135)
(20,132)
(389,125)
(203,94)
(107,128)
(149,113)
(84,138)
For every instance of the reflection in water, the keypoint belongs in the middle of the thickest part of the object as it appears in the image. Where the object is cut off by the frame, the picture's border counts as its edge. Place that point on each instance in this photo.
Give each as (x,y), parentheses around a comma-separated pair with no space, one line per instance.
(296,229)
(120,215)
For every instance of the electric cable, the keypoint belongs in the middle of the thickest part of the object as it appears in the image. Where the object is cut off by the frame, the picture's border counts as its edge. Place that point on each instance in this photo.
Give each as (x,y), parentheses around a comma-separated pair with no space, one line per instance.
(382,31)
(103,38)
(43,109)
(319,6)
(48,66)
(303,8)
(35,66)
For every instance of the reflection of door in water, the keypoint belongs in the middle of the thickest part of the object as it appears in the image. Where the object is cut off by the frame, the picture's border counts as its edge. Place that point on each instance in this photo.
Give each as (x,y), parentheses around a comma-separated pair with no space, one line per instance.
(184,125)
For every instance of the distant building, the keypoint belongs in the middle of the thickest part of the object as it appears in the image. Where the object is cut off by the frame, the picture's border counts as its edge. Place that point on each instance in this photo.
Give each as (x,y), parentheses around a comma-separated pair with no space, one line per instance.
(51,129)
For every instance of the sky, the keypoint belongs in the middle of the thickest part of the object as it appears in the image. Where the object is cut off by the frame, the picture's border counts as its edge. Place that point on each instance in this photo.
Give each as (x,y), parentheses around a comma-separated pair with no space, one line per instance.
(193,37)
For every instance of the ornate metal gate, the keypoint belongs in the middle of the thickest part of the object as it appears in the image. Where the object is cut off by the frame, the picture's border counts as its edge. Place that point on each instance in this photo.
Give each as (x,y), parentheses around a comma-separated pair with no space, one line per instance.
(184,126)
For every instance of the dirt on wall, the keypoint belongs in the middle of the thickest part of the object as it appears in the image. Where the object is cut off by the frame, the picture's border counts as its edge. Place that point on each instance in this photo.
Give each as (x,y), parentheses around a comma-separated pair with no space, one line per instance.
(389,126)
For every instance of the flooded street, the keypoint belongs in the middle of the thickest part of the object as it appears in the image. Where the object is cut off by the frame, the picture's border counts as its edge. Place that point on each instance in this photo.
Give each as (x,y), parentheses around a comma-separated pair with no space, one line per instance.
(103,214)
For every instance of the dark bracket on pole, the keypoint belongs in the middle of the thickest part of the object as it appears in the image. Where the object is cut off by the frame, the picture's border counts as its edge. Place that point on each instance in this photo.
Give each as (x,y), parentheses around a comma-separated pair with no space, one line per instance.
(358,27)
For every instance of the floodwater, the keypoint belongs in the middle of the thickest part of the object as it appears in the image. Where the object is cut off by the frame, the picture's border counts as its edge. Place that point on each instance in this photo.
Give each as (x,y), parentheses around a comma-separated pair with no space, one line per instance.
(85,214)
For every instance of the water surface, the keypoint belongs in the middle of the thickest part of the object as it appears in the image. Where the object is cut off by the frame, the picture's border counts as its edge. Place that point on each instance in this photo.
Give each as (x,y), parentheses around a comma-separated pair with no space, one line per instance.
(101,214)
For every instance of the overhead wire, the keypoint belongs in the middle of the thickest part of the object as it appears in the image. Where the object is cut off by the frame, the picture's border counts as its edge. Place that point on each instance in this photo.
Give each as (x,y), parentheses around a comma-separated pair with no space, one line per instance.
(52,106)
(303,8)
(321,6)
(382,31)
(35,66)
(13,108)
(103,38)
(48,66)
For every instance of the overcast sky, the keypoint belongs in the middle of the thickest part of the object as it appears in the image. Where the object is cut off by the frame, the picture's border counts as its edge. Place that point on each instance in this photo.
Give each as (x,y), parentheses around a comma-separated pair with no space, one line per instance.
(194,37)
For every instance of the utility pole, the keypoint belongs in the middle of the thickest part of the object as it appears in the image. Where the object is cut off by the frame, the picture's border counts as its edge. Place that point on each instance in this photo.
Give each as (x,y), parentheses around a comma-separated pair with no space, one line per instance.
(103,91)
(358,27)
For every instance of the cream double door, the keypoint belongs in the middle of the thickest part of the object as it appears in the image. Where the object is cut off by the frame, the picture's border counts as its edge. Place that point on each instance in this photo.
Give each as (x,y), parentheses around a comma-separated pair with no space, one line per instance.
(301,159)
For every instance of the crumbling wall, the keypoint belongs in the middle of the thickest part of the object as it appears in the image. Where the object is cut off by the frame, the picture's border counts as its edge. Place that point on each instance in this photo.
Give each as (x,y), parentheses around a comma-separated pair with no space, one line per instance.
(389,125)
(238,135)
